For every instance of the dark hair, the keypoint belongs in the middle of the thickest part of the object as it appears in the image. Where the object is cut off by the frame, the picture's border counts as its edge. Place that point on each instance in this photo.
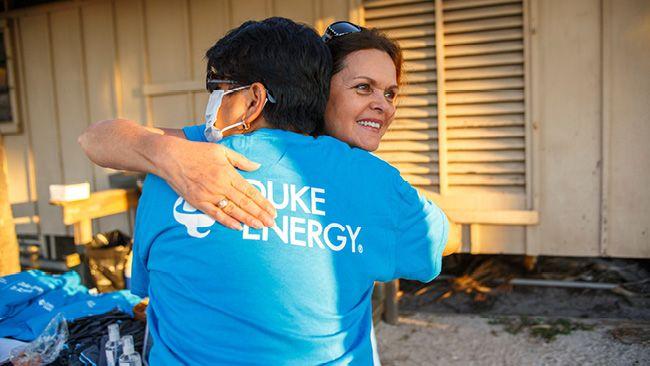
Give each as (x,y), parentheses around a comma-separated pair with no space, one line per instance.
(288,58)
(368,38)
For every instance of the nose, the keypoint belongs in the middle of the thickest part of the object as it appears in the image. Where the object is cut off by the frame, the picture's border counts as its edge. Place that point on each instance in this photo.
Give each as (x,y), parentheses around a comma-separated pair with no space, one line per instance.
(382,105)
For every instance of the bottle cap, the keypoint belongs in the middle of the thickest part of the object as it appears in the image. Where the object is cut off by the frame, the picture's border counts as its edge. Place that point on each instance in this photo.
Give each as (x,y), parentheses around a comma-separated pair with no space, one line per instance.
(114,332)
(127,345)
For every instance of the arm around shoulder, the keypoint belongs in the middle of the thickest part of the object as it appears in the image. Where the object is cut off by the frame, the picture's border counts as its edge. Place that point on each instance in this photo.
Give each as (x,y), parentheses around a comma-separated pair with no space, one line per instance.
(423,229)
(126,145)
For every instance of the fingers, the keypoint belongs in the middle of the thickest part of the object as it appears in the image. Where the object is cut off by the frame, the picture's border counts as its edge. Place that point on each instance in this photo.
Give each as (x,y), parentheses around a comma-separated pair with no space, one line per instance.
(255,200)
(217,214)
(237,213)
(251,211)
(239,161)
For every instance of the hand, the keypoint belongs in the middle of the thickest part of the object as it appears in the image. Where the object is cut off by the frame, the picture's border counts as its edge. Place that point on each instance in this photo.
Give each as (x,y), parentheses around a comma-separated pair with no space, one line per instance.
(204,173)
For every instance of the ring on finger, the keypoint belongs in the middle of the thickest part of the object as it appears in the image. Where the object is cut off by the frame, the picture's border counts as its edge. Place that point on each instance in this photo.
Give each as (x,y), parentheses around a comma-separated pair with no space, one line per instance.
(223,203)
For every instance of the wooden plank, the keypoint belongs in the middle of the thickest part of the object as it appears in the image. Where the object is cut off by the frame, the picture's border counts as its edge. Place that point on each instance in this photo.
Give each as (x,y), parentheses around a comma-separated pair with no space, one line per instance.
(414,124)
(486,180)
(419,65)
(483,25)
(464,4)
(242,11)
(570,219)
(486,121)
(487,84)
(406,21)
(300,11)
(485,97)
(419,77)
(491,239)
(409,43)
(426,100)
(510,34)
(491,144)
(626,92)
(491,72)
(17,155)
(100,59)
(331,11)
(177,87)
(399,10)
(508,58)
(486,156)
(166,41)
(398,146)
(486,132)
(441,65)
(409,157)
(417,89)
(41,109)
(416,112)
(485,109)
(210,20)
(494,217)
(130,46)
(484,48)
(457,15)
(71,94)
(371,4)
(421,180)
(100,204)
(168,114)
(413,135)
(419,53)
(487,168)
(410,32)
(422,169)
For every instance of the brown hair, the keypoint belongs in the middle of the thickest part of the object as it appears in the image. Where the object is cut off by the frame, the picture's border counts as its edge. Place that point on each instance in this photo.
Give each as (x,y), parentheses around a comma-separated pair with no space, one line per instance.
(368,38)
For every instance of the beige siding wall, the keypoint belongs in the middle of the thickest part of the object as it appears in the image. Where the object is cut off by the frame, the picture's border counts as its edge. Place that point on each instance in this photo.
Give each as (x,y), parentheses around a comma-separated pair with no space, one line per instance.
(586,127)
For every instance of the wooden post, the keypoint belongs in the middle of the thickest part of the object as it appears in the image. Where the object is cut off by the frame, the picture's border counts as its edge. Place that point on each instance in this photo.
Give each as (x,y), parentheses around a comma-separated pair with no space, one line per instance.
(391,308)
(9,253)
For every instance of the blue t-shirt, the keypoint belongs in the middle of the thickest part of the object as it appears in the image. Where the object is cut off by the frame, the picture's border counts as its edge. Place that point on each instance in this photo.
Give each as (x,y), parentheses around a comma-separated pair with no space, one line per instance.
(298,293)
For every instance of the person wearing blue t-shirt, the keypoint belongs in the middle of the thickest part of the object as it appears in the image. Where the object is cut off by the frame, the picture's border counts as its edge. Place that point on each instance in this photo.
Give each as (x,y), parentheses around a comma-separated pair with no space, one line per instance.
(299,291)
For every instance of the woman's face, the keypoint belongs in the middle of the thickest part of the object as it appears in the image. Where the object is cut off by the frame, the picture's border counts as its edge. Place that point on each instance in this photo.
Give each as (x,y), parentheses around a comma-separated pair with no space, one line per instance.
(361,104)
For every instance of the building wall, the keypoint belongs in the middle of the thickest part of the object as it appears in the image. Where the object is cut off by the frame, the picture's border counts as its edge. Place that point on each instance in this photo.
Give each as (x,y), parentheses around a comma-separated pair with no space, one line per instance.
(586,126)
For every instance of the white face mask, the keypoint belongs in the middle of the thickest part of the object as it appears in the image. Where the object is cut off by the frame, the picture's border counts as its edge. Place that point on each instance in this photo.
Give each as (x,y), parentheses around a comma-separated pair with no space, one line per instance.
(212,133)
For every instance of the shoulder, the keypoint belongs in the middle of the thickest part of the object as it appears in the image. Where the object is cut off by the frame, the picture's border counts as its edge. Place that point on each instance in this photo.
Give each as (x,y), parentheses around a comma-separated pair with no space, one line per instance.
(195,133)
(359,156)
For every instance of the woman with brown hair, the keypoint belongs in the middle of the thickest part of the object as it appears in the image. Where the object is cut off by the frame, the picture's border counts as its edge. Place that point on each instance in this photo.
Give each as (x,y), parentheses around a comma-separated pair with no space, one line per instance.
(363,91)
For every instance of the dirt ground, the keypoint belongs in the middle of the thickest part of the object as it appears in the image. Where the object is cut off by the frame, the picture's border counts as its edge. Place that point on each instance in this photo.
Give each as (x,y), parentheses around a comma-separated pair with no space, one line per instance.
(475,318)
(423,338)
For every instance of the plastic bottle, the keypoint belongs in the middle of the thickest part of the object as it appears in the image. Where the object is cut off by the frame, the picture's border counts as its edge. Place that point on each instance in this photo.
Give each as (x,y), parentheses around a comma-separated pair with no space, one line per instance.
(113,345)
(129,356)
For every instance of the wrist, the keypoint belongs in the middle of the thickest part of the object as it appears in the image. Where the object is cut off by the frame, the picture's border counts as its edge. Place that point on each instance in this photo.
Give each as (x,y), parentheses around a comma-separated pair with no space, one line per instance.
(157,151)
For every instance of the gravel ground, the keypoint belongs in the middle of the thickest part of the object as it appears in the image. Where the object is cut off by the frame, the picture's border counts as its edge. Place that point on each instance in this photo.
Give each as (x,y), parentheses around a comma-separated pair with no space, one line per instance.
(424,338)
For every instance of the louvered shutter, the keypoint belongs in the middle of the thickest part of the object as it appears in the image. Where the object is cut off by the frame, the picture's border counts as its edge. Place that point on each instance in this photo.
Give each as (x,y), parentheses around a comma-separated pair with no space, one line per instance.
(411,142)
(484,89)
(484,104)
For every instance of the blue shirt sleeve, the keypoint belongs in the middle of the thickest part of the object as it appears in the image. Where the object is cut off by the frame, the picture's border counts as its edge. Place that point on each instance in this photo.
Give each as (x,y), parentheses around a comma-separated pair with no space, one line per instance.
(422,231)
(195,133)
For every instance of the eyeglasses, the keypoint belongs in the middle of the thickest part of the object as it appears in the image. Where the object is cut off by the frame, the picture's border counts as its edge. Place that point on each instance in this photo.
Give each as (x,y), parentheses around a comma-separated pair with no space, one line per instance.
(213,84)
(339,29)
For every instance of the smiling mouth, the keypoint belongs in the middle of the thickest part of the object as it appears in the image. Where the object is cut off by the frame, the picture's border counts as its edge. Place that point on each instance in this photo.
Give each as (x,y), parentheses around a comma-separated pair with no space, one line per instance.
(369,124)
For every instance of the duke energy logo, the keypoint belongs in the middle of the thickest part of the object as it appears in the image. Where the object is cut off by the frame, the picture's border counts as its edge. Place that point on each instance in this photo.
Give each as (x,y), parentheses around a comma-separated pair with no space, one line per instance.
(192,219)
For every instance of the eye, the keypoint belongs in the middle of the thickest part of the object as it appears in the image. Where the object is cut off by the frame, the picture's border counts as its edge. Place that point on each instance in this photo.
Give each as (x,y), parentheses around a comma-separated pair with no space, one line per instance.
(390,95)
(363,88)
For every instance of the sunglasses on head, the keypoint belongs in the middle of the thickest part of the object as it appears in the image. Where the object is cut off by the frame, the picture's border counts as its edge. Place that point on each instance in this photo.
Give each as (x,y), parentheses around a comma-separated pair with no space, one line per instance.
(339,29)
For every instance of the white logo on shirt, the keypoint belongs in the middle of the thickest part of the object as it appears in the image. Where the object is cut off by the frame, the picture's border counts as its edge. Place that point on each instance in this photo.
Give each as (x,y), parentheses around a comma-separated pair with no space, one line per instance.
(192,218)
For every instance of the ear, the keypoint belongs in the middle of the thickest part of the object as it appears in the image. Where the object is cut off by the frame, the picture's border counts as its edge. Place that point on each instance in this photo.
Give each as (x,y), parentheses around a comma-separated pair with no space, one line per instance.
(255,101)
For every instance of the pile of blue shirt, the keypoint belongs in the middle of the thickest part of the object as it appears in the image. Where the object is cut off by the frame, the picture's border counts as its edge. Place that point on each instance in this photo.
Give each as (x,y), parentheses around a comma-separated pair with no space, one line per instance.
(30,299)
